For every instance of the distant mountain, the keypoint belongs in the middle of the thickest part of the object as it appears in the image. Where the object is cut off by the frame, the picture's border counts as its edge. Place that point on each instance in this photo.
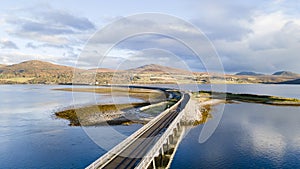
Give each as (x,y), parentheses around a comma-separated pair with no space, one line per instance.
(285,73)
(296,81)
(39,72)
(2,65)
(249,74)
(99,70)
(36,67)
(154,68)
(36,72)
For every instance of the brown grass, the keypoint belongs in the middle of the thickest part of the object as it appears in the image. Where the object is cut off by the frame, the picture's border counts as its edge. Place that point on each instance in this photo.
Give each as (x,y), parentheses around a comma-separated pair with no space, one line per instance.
(144,94)
(205,112)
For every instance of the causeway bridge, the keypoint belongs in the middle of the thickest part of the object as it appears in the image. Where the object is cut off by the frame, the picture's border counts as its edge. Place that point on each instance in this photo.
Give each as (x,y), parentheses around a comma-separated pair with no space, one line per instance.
(152,146)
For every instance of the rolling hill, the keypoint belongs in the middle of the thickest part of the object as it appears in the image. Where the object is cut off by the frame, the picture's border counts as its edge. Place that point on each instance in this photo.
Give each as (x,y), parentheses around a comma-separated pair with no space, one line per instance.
(285,73)
(99,70)
(249,74)
(40,72)
(154,68)
(35,71)
(296,81)
(35,68)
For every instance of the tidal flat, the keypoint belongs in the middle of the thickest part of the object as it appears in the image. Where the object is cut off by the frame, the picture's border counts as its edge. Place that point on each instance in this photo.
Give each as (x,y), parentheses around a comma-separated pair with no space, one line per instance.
(140,93)
(116,114)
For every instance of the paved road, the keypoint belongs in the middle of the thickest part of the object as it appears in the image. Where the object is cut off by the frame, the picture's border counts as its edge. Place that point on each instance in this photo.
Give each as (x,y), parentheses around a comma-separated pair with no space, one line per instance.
(133,154)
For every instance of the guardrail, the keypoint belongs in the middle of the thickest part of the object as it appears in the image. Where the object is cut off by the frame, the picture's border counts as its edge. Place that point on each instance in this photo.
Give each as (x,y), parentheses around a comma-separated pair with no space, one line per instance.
(125,143)
(151,154)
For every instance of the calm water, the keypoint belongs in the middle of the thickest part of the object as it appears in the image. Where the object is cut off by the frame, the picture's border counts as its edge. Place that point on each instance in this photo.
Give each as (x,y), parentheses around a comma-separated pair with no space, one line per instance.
(249,135)
(30,137)
(262,89)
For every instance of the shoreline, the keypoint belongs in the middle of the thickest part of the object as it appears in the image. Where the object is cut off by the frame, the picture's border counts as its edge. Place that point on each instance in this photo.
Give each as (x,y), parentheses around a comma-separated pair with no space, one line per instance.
(248,98)
(153,83)
(117,114)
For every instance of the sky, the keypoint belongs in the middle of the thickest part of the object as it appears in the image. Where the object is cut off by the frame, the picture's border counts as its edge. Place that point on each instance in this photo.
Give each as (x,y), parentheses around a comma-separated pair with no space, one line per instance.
(260,36)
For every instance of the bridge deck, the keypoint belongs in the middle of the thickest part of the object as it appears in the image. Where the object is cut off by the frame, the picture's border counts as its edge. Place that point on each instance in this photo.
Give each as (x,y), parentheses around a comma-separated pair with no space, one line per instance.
(133,154)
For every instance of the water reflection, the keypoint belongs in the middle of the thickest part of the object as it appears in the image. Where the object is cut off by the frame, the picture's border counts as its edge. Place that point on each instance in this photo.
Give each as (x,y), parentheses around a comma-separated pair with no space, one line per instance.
(249,136)
(267,142)
(31,138)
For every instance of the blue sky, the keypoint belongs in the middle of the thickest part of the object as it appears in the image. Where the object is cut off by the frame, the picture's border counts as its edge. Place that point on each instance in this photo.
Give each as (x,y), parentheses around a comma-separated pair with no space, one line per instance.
(261,36)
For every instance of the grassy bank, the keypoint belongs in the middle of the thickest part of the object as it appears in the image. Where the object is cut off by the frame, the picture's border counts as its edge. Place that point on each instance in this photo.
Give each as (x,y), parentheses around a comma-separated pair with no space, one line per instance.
(144,94)
(251,98)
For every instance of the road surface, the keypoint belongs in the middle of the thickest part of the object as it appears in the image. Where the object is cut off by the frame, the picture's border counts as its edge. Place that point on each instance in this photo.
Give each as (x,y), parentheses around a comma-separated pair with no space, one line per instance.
(133,154)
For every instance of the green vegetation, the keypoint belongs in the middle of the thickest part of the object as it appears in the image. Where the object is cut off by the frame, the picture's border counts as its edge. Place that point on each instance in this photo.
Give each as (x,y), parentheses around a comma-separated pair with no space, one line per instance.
(203,96)
(263,99)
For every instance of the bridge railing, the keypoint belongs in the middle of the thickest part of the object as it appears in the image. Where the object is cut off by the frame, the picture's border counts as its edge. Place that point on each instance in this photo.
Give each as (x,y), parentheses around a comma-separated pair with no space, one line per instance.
(157,146)
(125,143)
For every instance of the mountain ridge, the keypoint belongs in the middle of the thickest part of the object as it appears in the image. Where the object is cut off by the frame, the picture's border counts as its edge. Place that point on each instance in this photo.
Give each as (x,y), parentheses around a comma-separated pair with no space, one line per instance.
(102,70)
(36,66)
(248,73)
(41,72)
(296,81)
(155,68)
(285,73)
(149,67)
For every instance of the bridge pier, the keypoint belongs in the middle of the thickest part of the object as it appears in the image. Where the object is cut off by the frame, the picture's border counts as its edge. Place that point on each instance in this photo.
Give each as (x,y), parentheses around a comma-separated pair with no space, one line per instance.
(174,132)
(162,150)
(168,149)
(171,138)
(154,166)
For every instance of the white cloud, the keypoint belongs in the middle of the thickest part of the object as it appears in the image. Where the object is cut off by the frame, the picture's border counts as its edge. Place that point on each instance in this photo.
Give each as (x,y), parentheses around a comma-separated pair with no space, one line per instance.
(272,45)
(17,57)
(7,44)
(267,23)
(134,35)
(274,31)
(52,39)
(47,25)
(249,35)
(153,56)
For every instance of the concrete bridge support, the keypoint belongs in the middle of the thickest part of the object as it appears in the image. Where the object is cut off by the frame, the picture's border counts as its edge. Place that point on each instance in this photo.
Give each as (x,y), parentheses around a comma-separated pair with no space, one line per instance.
(168,149)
